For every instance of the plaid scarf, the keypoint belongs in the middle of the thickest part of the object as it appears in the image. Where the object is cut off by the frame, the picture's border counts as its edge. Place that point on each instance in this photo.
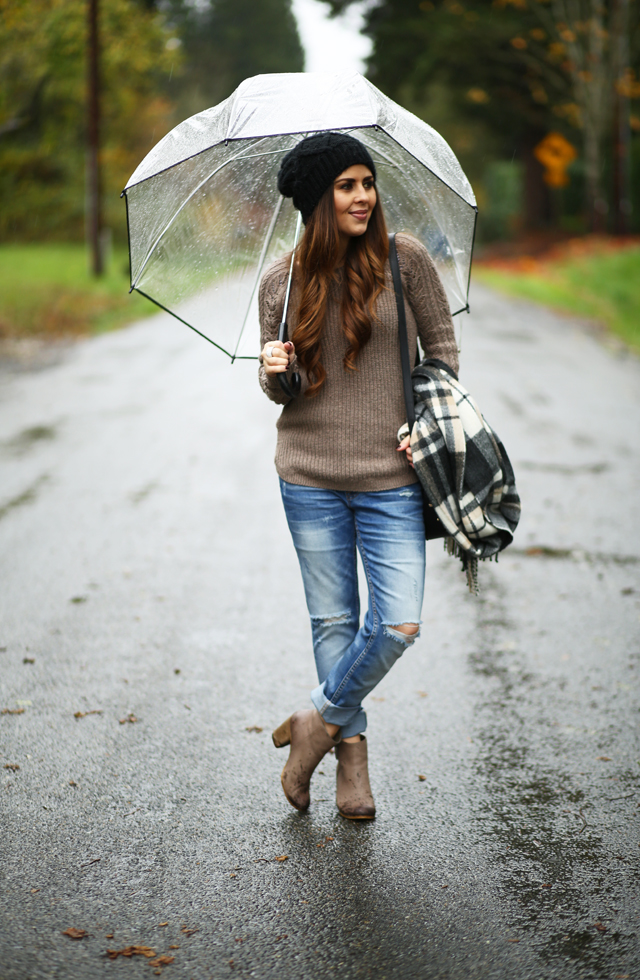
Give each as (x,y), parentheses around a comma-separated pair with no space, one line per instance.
(463,468)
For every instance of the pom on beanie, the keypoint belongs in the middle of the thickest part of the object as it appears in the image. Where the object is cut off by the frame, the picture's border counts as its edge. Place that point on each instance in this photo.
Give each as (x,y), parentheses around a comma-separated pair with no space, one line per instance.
(312,166)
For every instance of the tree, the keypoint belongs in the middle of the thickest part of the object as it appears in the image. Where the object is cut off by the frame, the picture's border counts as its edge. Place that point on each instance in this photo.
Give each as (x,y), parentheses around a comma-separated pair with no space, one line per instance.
(227,41)
(43,108)
(520,67)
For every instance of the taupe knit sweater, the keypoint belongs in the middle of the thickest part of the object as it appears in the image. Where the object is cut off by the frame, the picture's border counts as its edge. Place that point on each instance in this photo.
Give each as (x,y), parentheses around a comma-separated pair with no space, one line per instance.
(345,437)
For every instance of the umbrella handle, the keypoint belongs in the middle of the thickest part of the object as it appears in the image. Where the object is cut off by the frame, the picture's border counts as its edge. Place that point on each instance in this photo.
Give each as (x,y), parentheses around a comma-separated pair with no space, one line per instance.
(291,387)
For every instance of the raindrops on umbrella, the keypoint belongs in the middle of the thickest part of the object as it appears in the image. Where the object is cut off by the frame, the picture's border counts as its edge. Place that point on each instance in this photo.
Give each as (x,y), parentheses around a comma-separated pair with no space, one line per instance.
(205,216)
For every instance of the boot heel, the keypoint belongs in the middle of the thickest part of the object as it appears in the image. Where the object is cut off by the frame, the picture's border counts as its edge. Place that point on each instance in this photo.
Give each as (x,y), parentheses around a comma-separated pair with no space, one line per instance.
(282,734)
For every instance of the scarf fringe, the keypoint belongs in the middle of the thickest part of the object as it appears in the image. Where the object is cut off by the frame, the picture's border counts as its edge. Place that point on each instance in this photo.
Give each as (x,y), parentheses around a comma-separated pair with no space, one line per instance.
(469,563)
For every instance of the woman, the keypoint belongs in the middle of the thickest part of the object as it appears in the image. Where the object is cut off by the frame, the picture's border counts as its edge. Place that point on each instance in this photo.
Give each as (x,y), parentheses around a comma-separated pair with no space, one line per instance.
(345,483)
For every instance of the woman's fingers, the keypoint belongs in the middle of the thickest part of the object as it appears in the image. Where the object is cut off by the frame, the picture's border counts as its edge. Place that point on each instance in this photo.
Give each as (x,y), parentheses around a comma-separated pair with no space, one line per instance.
(277,356)
(405,446)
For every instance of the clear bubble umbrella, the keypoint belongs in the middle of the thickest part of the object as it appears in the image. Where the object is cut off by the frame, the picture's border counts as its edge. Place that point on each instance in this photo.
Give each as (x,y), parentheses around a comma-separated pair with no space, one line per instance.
(205,216)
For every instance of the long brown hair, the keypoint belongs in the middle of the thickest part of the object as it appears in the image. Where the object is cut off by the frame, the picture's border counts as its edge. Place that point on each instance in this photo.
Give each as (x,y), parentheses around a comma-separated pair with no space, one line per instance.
(318,256)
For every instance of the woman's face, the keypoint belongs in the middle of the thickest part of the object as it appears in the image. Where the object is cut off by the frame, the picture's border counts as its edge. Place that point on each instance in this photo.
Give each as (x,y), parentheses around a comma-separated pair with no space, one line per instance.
(354,198)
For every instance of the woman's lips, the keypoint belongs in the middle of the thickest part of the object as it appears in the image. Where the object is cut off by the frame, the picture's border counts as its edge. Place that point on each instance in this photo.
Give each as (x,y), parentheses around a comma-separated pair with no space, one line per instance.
(360,215)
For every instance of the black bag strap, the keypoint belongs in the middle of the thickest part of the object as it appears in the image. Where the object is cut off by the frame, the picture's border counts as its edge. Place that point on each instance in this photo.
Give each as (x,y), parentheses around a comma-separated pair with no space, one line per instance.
(402,333)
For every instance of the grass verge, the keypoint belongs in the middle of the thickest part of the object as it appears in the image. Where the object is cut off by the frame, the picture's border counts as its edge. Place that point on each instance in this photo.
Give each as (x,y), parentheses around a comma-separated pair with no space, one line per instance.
(46,291)
(594,278)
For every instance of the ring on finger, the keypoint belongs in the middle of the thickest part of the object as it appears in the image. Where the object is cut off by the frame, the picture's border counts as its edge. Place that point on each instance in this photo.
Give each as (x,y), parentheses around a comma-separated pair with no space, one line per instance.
(269,352)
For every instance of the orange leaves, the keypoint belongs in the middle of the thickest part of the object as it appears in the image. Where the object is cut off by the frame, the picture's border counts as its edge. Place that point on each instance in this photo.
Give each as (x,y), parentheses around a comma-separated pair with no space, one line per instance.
(128,951)
(73,933)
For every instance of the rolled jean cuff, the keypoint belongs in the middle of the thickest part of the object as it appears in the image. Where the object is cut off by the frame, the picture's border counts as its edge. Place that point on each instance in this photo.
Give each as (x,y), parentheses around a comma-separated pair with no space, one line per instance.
(352,721)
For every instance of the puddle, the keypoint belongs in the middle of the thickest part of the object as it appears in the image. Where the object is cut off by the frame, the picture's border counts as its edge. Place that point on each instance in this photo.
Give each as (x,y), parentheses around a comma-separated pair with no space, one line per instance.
(542,824)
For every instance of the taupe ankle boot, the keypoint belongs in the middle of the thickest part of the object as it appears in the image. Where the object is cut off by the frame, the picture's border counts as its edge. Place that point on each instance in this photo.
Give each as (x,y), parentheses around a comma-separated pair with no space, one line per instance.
(353,790)
(309,744)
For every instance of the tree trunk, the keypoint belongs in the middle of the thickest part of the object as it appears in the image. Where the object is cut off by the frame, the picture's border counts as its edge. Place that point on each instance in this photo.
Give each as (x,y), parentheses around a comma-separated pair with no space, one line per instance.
(94,203)
(537,204)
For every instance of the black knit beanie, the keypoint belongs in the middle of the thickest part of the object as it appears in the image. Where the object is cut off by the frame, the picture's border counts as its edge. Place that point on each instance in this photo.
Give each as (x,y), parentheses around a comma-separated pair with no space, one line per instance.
(312,166)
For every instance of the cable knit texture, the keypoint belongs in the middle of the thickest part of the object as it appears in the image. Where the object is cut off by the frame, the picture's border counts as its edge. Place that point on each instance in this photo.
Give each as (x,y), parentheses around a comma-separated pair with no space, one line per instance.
(345,437)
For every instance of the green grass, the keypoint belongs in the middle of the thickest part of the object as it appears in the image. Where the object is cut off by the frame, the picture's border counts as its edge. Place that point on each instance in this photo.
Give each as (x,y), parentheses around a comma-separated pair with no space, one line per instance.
(47,291)
(603,286)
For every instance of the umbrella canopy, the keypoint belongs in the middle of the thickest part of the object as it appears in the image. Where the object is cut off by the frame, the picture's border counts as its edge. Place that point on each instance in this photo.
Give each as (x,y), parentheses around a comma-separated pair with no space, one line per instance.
(205,216)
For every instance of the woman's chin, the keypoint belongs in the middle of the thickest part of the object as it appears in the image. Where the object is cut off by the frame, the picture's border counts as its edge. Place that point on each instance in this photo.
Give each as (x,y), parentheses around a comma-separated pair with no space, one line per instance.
(357,230)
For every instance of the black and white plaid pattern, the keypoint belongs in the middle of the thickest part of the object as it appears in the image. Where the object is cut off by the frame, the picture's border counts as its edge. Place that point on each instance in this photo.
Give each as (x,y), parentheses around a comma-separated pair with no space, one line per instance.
(462,465)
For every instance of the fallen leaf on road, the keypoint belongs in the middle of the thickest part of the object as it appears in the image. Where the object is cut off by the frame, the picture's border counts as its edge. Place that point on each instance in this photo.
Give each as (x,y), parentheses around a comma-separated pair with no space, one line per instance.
(177,670)
(92,861)
(73,933)
(545,886)
(83,714)
(421,778)
(163,960)
(604,758)
(253,728)
(283,857)
(422,694)
(188,932)
(513,940)
(329,838)
(28,660)
(34,890)
(12,711)
(599,927)
(174,947)
(12,766)
(71,783)
(282,937)
(131,718)
(161,925)
(113,954)
(321,845)
(109,935)
(77,599)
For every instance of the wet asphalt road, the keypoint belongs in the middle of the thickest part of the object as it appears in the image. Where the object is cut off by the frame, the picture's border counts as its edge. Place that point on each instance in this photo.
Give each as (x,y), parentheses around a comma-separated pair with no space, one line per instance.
(147,573)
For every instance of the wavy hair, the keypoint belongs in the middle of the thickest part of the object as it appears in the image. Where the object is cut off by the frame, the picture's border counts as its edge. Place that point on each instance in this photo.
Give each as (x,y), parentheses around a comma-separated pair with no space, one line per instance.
(364,280)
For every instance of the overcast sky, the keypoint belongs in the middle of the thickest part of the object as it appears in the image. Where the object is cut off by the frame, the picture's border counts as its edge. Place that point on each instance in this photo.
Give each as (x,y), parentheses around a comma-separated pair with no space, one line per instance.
(331,44)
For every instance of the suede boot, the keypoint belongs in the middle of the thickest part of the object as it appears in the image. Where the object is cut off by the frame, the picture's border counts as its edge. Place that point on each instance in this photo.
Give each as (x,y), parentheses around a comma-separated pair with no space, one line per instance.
(309,744)
(353,790)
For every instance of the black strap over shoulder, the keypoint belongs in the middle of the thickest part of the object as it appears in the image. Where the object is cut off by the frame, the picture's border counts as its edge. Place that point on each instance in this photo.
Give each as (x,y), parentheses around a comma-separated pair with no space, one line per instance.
(402,332)
(433,526)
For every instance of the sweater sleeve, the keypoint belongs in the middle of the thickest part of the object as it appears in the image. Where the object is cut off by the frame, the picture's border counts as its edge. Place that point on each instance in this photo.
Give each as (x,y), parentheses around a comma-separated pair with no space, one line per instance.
(270,306)
(428,301)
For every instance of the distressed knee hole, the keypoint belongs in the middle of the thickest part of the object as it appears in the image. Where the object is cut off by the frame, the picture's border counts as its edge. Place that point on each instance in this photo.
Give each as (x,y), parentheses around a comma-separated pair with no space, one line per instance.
(406,633)
(409,628)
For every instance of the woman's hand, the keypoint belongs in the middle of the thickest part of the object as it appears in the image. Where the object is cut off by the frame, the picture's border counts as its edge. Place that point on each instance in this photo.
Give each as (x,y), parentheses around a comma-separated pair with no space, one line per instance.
(405,446)
(276,357)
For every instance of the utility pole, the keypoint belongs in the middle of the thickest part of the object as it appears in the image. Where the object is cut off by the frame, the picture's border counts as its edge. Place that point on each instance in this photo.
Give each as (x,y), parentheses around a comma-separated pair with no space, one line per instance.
(621,135)
(94,208)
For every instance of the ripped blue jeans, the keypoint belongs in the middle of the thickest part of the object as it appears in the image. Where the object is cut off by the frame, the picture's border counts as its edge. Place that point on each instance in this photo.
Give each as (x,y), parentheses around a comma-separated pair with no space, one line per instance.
(387,528)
